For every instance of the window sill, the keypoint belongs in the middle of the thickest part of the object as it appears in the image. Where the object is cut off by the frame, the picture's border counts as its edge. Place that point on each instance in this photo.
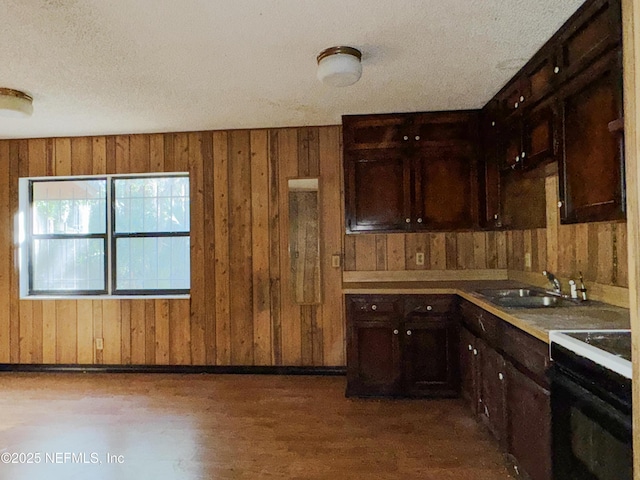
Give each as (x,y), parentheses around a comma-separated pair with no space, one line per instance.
(106,297)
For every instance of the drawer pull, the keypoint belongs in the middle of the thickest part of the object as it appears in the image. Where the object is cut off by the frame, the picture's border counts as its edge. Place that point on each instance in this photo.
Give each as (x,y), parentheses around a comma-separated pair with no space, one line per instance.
(408,332)
(475,351)
(429,308)
(395,331)
(501,376)
(470,347)
(374,307)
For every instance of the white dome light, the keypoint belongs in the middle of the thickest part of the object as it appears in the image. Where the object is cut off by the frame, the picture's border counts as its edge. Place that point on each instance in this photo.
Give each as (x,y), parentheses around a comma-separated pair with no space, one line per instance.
(339,66)
(14,103)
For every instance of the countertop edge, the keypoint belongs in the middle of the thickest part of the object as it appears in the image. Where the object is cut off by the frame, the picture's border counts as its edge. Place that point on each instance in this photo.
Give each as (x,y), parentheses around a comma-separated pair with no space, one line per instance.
(465,292)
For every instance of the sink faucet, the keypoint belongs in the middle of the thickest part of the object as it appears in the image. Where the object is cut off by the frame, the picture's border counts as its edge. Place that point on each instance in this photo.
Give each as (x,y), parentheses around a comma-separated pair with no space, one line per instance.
(557,288)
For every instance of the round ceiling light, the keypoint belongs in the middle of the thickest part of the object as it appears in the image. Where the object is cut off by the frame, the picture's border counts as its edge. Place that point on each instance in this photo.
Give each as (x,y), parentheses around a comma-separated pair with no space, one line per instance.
(339,66)
(14,103)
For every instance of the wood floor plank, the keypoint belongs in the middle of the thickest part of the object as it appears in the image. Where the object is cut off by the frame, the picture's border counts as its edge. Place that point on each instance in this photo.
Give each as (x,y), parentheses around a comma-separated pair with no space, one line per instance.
(187,427)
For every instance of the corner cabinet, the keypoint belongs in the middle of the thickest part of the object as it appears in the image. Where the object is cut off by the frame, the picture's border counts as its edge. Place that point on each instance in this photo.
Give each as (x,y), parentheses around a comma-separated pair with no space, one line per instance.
(411,172)
(402,345)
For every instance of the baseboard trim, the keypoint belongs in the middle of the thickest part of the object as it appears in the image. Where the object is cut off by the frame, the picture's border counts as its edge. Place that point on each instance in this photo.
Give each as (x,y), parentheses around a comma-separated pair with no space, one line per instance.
(189,369)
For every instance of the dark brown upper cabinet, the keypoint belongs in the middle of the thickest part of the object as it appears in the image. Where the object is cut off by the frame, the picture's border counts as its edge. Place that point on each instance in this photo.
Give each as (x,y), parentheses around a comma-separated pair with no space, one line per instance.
(591,165)
(411,172)
(564,105)
(592,31)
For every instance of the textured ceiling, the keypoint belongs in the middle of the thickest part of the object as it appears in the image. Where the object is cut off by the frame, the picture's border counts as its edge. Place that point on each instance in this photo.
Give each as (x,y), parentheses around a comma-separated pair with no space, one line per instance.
(132,66)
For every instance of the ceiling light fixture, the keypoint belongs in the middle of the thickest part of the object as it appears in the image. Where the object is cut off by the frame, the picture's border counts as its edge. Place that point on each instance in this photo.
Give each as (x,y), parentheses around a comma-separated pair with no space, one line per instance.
(339,66)
(14,103)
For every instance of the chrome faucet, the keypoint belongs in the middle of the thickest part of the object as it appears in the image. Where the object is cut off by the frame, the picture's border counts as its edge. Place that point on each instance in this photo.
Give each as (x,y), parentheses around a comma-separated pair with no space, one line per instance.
(557,288)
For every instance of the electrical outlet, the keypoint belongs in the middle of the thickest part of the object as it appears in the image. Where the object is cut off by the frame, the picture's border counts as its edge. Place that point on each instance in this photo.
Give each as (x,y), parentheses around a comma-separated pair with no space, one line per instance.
(335,261)
(99,344)
(420,258)
(527,260)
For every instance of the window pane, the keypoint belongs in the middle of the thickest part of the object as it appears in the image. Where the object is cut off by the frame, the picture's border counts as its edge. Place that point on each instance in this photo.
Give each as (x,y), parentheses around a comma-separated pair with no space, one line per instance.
(148,205)
(69,207)
(69,264)
(152,263)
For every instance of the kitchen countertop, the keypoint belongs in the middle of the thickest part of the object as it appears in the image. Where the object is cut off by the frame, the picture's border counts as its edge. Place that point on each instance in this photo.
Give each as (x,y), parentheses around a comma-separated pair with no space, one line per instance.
(535,321)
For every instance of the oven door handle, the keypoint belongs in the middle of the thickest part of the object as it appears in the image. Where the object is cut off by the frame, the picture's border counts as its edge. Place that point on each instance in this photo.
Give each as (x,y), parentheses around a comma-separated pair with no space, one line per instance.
(589,402)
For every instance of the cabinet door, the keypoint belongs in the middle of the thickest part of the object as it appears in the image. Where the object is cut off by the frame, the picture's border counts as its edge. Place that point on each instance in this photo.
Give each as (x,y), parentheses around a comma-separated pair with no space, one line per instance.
(430,356)
(529,415)
(488,169)
(510,146)
(372,132)
(373,358)
(492,391)
(539,135)
(595,29)
(592,164)
(377,191)
(445,189)
(469,374)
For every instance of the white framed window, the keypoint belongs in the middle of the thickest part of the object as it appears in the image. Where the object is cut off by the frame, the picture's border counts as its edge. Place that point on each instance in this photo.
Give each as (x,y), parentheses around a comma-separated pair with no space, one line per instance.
(109,235)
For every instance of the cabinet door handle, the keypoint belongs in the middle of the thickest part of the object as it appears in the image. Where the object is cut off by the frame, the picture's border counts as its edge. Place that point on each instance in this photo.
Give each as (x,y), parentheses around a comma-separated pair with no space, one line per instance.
(374,307)
(408,332)
(395,331)
(559,204)
(408,220)
(475,351)
(470,347)
(419,220)
(501,376)
(429,307)
(405,138)
(516,105)
(417,137)
(521,98)
(556,70)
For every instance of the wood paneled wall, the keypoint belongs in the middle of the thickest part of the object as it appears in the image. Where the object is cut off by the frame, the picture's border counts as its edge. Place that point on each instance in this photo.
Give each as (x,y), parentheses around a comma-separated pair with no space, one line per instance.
(240,311)
(599,250)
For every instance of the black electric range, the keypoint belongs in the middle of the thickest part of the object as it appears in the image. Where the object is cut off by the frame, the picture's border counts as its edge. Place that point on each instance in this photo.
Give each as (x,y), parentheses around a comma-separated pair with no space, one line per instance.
(591,405)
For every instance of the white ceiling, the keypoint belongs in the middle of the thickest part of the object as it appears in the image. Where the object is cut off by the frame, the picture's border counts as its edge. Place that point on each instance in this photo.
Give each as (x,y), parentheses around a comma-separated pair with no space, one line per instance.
(133,66)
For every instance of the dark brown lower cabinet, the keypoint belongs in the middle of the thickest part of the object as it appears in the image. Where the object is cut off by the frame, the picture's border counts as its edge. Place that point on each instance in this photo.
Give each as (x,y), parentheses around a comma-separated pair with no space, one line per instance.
(429,346)
(469,370)
(374,366)
(529,413)
(502,373)
(492,401)
(402,345)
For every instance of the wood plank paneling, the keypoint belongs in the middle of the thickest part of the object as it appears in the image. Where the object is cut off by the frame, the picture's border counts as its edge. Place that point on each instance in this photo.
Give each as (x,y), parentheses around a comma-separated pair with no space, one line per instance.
(6,252)
(198,304)
(221,245)
(240,243)
(290,312)
(260,248)
(331,324)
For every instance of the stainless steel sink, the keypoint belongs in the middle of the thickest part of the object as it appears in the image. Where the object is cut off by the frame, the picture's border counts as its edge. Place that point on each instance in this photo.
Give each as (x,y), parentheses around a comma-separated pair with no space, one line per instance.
(543,301)
(525,298)
(510,292)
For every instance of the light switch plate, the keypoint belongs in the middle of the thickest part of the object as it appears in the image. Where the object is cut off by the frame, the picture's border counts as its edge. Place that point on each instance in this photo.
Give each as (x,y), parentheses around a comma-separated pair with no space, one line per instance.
(335,261)
(527,260)
(419,258)
(99,344)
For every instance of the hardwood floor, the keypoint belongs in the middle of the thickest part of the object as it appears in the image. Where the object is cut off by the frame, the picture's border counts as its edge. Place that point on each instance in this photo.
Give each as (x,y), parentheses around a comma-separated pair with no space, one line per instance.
(186,427)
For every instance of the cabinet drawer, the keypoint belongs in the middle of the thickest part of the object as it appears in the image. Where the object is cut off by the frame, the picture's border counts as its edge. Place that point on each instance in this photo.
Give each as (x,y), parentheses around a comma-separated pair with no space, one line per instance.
(425,305)
(374,304)
(528,351)
(481,323)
